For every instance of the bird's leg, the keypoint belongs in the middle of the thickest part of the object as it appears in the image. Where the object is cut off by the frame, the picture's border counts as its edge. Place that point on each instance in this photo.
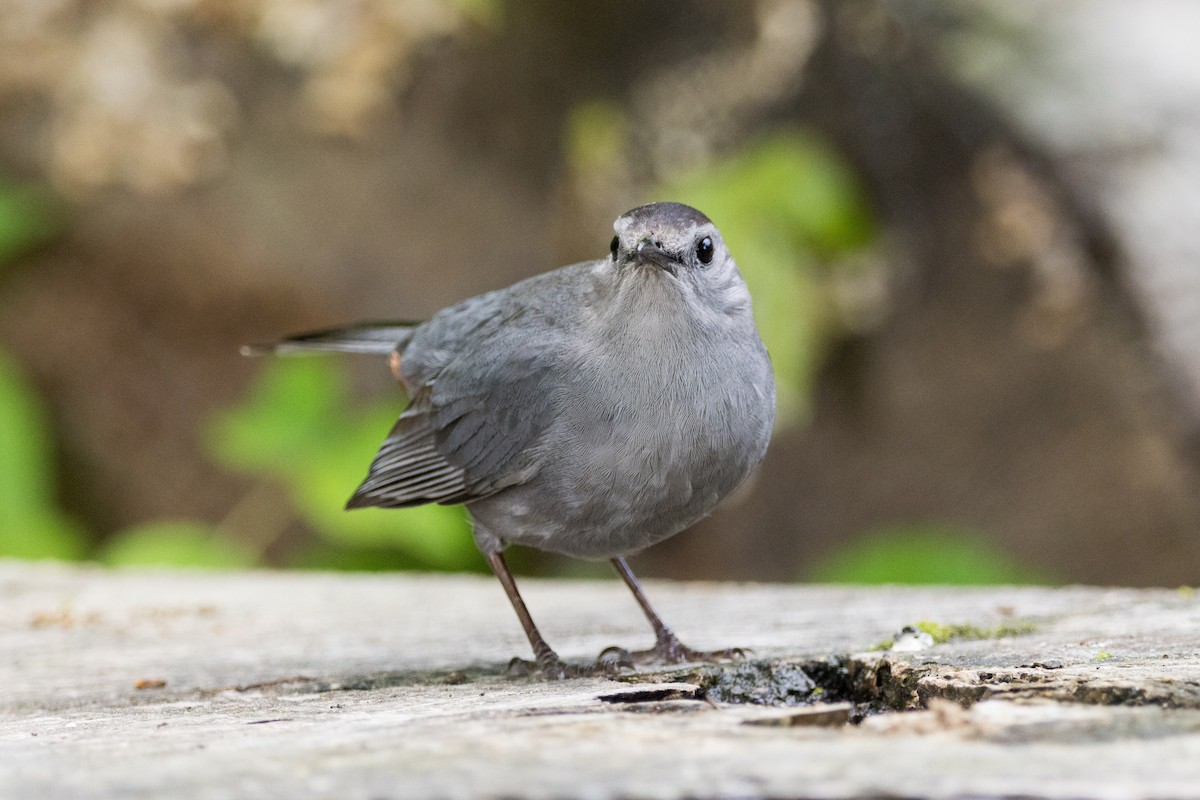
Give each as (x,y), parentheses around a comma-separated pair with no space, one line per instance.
(547,660)
(667,646)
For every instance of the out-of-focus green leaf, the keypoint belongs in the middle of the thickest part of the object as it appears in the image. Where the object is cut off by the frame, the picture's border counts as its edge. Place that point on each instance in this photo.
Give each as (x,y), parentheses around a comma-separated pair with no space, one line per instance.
(430,536)
(175,544)
(293,411)
(28,218)
(923,554)
(299,428)
(41,533)
(435,537)
(25,448)
(30,525)
(788,209)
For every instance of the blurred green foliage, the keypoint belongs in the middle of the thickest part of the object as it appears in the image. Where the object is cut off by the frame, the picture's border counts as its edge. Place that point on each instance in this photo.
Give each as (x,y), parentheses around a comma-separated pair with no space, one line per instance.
(791,212)
(28,219)
(923,554)
(299,427)
(175,543)
(31,525)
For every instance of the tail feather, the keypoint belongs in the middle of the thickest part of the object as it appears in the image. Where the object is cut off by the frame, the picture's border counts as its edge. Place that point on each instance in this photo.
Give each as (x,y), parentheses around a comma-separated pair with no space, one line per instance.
(375,338)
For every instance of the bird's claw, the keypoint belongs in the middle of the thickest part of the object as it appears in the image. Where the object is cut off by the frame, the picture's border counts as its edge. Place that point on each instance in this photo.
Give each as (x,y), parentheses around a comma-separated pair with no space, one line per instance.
(551,667)
(668,650)
(673,651)
(612,660)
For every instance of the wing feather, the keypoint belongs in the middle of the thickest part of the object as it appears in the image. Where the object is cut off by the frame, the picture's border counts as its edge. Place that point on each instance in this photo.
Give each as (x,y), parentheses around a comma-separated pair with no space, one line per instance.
(408,470)
(377,338)
(486,375)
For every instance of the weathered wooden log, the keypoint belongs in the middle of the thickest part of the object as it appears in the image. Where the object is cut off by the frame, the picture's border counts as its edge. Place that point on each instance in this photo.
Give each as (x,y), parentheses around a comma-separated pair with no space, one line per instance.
(151,684)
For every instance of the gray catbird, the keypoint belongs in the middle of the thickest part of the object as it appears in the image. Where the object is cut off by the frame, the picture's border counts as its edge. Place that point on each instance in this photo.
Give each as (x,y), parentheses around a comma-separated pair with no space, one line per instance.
(593,410)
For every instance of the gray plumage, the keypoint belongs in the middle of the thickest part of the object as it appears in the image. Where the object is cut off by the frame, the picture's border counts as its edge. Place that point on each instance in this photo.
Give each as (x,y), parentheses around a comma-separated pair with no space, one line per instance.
(592,410)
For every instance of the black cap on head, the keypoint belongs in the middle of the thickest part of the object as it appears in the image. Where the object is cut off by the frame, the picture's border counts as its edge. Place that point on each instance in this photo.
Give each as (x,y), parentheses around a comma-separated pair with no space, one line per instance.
(675,214)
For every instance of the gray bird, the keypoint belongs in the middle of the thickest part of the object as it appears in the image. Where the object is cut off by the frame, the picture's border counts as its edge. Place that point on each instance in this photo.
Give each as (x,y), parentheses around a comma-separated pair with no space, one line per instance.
(593,410)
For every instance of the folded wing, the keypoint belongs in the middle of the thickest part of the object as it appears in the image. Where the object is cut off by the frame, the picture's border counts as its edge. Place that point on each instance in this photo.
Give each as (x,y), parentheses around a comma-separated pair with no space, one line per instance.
(484,394)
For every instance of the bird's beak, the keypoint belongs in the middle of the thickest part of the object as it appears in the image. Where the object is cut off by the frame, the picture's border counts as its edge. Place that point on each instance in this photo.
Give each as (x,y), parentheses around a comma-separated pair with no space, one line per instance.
(651,252)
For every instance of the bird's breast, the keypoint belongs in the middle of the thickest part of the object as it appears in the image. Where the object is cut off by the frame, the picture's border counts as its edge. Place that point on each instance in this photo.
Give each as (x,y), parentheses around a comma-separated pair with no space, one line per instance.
(658,434)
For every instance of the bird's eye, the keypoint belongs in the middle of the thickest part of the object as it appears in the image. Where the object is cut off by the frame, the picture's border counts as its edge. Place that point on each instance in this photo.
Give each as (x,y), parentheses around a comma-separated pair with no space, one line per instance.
(704,250)
(616,242)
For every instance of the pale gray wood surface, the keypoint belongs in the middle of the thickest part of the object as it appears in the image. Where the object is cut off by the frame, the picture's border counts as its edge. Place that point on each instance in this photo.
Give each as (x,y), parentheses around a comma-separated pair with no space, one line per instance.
(394,686)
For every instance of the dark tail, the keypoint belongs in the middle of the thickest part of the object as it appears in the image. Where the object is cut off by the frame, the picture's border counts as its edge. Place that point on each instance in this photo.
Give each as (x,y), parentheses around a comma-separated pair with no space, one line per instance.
(377,338)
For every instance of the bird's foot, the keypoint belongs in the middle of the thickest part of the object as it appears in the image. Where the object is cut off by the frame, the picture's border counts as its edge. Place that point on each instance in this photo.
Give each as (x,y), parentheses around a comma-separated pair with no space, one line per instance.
(615,660)
(548,666)
(668,650)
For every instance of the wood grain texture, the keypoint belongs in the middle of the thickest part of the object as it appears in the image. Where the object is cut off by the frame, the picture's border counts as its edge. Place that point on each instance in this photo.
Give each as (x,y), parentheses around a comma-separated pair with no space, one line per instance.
(318,685)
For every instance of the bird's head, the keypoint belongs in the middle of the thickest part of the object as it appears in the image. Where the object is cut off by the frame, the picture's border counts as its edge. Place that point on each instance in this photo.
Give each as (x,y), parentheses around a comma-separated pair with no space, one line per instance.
(677,248)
